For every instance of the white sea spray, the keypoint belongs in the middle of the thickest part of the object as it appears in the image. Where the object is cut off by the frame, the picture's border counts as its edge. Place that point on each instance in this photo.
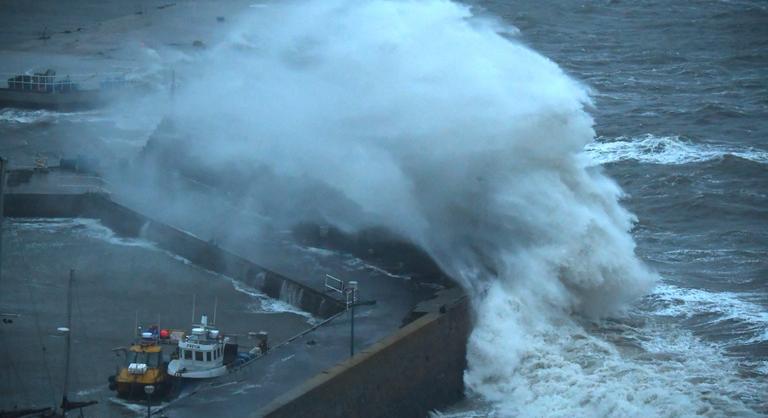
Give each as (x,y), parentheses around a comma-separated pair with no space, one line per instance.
(439,126)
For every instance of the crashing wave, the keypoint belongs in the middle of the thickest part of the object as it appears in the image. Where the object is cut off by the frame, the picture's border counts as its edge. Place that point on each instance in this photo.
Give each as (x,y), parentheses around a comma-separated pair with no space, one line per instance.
(422,118)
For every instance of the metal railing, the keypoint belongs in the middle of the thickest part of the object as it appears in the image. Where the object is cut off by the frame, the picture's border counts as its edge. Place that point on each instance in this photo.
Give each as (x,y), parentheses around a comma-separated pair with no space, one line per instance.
(346,291)
(333,285)
(50,82)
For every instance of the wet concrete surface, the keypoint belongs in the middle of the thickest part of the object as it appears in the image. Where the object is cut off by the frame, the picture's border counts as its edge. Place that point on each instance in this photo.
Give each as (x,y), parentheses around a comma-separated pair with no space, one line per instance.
(116,281)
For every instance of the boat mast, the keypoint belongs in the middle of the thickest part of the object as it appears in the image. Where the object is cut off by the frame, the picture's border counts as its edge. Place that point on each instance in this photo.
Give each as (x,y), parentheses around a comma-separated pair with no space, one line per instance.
(6,316)
(2,193)
(68,339)
(66,405)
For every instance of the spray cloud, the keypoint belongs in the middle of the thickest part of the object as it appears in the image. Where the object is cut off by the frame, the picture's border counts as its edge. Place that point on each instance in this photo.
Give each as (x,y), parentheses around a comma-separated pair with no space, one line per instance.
(420,117)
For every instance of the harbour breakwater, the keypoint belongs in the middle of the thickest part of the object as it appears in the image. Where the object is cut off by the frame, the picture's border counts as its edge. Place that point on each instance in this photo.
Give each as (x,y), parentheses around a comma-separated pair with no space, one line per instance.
(129,223)
(415,370)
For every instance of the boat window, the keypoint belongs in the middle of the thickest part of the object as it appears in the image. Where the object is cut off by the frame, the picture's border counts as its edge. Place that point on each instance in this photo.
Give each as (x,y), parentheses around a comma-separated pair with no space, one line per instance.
(199,355)
(150,359)
(208,356)
(187,354)
(153,359)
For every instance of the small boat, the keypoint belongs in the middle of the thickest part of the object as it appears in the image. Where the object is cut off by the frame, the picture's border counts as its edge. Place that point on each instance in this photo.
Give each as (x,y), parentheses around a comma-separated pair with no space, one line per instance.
(205,353)
(201,354)
(144,365)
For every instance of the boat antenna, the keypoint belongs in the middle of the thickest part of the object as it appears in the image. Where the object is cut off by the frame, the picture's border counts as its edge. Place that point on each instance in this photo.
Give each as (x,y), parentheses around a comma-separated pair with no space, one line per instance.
(194,299)
(136,324)
(215,305)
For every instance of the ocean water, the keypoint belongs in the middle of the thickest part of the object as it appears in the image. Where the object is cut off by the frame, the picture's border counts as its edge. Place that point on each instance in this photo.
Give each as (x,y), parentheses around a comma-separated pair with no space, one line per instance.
(680,93)
(594,173)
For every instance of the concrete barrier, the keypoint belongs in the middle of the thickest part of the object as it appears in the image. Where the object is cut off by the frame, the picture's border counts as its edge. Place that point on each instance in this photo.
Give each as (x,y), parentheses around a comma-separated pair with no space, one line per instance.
(129,223)
(418,369)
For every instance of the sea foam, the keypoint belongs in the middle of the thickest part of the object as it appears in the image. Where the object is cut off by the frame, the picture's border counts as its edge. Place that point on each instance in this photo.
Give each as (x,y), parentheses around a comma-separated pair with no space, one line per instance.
(671,150)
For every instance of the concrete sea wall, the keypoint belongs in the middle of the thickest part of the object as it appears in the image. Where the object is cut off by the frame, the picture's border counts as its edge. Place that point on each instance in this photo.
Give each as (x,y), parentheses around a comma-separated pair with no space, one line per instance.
(414,371)
(129,223)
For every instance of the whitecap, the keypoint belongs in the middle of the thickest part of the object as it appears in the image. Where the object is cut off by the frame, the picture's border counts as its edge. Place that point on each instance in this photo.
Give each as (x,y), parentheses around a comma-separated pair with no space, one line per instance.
(673,301)
(669,150)
(21,116)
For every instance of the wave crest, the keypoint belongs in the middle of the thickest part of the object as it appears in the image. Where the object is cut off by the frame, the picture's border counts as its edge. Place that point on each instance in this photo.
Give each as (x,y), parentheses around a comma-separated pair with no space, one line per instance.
(670,150)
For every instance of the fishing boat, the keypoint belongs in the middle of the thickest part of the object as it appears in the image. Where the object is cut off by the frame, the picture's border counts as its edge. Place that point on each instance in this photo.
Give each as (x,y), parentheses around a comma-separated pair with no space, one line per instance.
(143,365)
(202,353)
(206,353)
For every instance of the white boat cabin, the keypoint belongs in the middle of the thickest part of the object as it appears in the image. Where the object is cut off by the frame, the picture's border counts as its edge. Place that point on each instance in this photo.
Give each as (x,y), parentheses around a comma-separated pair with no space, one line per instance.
(200,354)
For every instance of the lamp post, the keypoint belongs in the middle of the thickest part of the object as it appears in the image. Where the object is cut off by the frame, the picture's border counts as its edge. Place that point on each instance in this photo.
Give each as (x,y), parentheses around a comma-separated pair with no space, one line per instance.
(149,390)
(352,297)
(2,193)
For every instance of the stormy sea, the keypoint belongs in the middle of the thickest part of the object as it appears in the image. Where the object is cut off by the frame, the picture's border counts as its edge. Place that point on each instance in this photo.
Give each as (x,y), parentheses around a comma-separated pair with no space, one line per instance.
(594,174)
(680,93)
